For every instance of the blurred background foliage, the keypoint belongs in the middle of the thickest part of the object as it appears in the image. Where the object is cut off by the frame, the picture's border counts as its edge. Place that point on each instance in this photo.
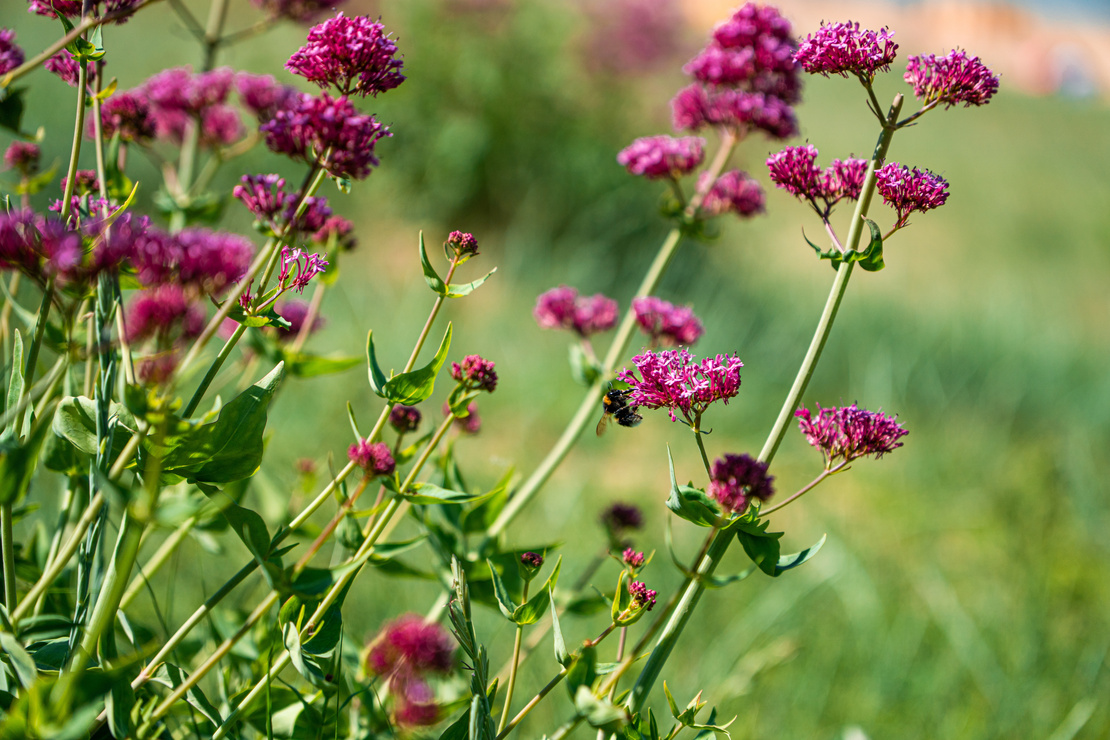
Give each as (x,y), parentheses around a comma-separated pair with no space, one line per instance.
(965,588)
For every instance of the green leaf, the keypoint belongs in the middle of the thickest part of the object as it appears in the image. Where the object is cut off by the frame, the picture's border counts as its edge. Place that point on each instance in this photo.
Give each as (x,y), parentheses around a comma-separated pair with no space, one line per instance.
(429,493)
(431,277)
(458,291)
(75,422)
(583,369)
(562,657)
(760,545)
(413,387)
(15,383)
(600,713)
(11,109)
(306,365)
(110,90)
(583,671)
(459,400)
(120,211)
(18,460)
(231,447)
(787,562)
(354,424)
(22,663)
(689,503)
(170,675)
(504,600)
(871,259)
(246,524)
(530,611)
(269,317)
(377,377)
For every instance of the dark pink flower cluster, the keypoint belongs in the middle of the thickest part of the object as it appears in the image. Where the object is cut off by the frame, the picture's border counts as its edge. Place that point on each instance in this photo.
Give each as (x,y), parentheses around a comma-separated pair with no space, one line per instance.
(475,373)
(72,8)
(733,192)
(642,596)
(263,96)
(207,261)
(404,653)
(563,308)
(339,228)
(65,67)
(298,267)
(352,54)
(129,114)
(303,11)
(632,558)
(746,78)
(38,246)
(630,37)
(329,131)
(296,313)
(666,323)
(847,433)
(843,49)
(908,190)
(619,517)
(795,170)
(952,79)
(405,418)
(166,313)
(180,99)
(659,157)
(674,380)
(531,560)
(263,195)
(11,56)
(469,424)
(737,479)
(23,156)
(462,244)
(373,457)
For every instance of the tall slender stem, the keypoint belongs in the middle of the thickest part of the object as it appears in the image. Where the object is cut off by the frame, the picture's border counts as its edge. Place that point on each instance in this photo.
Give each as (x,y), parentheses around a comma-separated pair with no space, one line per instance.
(513,667)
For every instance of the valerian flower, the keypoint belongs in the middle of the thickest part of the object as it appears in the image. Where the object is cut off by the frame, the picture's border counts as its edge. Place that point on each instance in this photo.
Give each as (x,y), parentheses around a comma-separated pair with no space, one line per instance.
(410,646)
(23,156)
(475,373)
(263,96)
(352,54)
(642,596)
(666,323)
(632,558)
(404,418)
(658,157)
(908,190)
(563,308)
(795,170)
(620,517)
(164,312)
(849,432)
(373,457)
(11,56)
(127,113)
(462,243)
(733,192)
(674,380)
(298,267)
(952,79)
(736,479)
(843,49)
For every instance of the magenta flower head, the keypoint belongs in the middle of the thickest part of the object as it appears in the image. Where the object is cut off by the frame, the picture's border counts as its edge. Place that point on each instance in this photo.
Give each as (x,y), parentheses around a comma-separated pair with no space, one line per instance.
(733,192)
(795,170)
(642,596)
(475,373)
(621,517)
(666,323)
(263,96)
(207,260)
(462,244)
(409,647)
(847,433)
(908,190)
(303,11)
(68,8)
(674,380)
(129,114)
(374,458)
(658,157)
(952,79)
(23,156)
(737,479)
(415,706)
(263,195)
(844,179)
(354,55)
(329,131)
(563,308)
(164,312)
(63,66)
(632,558)
(11,56)
(530,564)
(843,49)
(404,418)
(296,313)
(298,267)
(338,228)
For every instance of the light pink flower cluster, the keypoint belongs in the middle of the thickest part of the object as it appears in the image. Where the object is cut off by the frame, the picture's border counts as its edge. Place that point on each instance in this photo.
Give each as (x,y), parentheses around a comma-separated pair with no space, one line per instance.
(373,457)
(666,323)
(659,157)
(843,49)
(563,308)
(405,653)
(952,79)
(180,99)
(847,433)
(674,380)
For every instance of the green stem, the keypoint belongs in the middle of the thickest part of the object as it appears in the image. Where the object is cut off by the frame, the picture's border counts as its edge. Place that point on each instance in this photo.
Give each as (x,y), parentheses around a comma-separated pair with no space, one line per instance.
(513,668)
(526,710)
(809,487)
(721,541)
(167,548)
(78,134)
(696,429)
(214,370)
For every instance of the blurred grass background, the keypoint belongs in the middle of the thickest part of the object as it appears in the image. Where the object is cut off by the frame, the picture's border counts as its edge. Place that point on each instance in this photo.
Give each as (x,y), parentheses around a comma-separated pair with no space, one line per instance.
(965,588)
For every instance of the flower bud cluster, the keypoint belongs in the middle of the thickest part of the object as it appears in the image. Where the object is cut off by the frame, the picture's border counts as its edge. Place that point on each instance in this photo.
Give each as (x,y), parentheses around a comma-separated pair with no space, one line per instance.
(23,156)
(405,419)
(373,457)
(475,373)
(737,479)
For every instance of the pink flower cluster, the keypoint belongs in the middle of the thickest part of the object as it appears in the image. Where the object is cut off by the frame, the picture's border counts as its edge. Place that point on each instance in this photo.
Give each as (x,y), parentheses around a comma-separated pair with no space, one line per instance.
(737,479)
(674,380)
(180,99)
(632,558)
(72,8)
(23,156)
(843,49)
(404,418)
(329,131)
(563,308)
(475,373)
(352,54)
(263,96)
(303,11)
(952,79)
(265,197)
(166,313)
(908,190)
(733,192)
(847,433)
(38,246)
(746,78)
(298,267)
(795,170)
(659,157)
(128,113)
(296,313)
(642,596)
(619,517)
(373,457)
(666,323)
(405,653)
(462,243)
(64,66)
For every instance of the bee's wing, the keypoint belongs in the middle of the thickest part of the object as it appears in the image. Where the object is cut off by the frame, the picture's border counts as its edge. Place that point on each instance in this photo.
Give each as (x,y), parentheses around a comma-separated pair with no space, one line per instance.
(603,424)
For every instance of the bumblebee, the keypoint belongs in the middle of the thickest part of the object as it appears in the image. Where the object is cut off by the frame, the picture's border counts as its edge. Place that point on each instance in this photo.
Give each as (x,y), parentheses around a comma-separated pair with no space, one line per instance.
(614,405)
